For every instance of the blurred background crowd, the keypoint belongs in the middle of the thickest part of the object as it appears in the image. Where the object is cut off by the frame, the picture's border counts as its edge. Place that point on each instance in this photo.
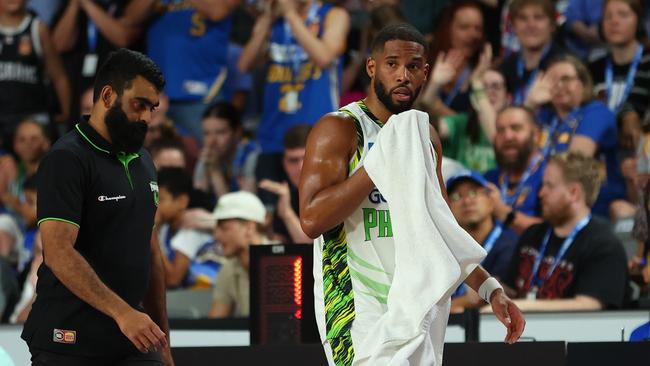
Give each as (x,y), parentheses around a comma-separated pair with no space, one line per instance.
(512,84)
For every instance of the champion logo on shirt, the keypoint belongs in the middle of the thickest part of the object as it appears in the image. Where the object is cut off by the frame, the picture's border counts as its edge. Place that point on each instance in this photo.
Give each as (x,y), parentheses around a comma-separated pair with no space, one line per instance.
(106,198)
(64,336)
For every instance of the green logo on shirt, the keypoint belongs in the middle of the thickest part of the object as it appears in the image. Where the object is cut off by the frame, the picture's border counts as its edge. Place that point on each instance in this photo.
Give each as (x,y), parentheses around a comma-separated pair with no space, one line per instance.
(379,220)
(154,189)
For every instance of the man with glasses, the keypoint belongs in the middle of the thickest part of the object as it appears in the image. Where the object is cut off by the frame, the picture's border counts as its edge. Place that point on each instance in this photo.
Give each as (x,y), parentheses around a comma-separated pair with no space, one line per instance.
(474,210)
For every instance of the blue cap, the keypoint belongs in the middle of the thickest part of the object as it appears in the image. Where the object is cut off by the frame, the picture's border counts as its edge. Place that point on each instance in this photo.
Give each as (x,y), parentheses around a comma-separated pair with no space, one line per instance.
(466,176)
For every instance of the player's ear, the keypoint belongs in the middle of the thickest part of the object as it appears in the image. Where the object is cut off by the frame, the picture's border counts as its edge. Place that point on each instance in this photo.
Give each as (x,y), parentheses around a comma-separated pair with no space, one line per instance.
(107,96)
(371,64)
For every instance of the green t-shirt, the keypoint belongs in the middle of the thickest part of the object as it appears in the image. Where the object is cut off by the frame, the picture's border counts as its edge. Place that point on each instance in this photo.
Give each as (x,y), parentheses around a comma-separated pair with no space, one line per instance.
(458,146)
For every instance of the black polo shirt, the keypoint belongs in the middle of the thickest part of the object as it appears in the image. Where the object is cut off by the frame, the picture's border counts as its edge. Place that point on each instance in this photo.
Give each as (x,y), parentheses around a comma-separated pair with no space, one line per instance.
(111,197)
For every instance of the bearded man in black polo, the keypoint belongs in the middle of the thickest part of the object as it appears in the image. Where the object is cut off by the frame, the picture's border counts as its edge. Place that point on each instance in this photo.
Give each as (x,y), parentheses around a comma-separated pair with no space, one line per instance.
(100,294)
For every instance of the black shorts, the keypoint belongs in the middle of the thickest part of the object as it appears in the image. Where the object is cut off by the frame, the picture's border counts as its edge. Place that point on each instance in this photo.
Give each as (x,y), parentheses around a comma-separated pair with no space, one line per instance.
(45,358)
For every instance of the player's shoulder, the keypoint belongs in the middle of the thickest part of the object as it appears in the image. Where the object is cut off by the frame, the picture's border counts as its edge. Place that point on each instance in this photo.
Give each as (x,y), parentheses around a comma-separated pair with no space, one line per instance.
(339,121)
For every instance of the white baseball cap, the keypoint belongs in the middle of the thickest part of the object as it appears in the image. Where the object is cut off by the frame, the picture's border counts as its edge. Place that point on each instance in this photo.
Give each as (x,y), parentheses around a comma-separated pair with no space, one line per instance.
(240,205)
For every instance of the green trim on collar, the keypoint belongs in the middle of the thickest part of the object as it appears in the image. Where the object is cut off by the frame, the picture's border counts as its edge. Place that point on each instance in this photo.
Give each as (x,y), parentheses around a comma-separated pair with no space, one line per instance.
(365,110)
(125,159)
(87,139)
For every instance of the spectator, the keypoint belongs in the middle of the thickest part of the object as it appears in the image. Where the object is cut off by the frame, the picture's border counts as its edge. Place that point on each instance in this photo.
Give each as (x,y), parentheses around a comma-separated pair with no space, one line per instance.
(467,137)
(227,161)
(28,59)
(574,121)
(286,221)
(304,45)
(457,45)
(168,152)
(627,62)
(581,26)
(533,22)
(9,290)
(31,143)
(11,243)
(571,261)
(518,177)
(189,41)
(240,218)
(179,246)
(471,205)
(84,34)
(28,294)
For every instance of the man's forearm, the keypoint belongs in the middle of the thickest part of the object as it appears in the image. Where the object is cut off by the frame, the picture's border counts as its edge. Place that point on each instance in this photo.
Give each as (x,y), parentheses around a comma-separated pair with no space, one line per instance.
(476,278)
(155,303)
(72,269)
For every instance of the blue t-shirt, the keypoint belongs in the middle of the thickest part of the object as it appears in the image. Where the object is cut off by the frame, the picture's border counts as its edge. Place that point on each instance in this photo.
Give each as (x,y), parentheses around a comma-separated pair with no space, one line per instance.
(528,200)
(296,90)
(595,121)
(190,49)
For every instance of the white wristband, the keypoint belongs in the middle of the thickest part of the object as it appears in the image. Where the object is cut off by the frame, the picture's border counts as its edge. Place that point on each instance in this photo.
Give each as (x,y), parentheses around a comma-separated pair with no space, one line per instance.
(487,288)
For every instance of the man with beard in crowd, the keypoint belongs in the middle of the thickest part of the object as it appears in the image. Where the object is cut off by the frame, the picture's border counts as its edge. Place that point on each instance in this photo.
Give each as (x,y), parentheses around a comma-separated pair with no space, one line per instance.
(518,178)
(354,260)
(101,293)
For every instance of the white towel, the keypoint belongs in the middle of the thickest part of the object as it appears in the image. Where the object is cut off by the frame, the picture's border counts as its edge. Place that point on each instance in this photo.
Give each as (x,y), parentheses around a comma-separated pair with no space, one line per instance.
(433,254)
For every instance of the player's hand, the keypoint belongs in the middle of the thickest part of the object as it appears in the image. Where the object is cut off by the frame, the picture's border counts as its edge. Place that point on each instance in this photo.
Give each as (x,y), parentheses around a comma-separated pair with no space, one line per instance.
(142,331)
(509,314)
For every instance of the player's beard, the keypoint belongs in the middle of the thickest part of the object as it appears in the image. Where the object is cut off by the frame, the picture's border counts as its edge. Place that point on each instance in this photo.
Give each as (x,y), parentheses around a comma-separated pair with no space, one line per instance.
(385,97)
(127,136)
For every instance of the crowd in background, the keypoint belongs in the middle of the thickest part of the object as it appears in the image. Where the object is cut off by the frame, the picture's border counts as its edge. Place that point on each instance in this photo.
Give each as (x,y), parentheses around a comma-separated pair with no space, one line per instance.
(541,107)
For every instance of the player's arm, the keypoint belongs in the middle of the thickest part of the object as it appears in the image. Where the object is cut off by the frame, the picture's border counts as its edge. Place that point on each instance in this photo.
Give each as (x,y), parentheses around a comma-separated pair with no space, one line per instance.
(322,51)
(327,195)
(72,269)
(504,308)
(155,302)
(215,10)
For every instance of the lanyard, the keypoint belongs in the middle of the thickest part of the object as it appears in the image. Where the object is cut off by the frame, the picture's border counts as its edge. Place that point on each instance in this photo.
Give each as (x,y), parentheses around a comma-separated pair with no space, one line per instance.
(492,238)
(534,278)
(459,84)
(520,95)
(512,200)
(91,33)
(294,52)
(549,145)
(615,106)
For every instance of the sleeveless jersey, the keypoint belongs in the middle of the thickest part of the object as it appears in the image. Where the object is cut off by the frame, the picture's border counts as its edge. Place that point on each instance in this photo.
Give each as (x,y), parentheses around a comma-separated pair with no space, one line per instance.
(22,85)
(296,90)
(354,262)
(190,49)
